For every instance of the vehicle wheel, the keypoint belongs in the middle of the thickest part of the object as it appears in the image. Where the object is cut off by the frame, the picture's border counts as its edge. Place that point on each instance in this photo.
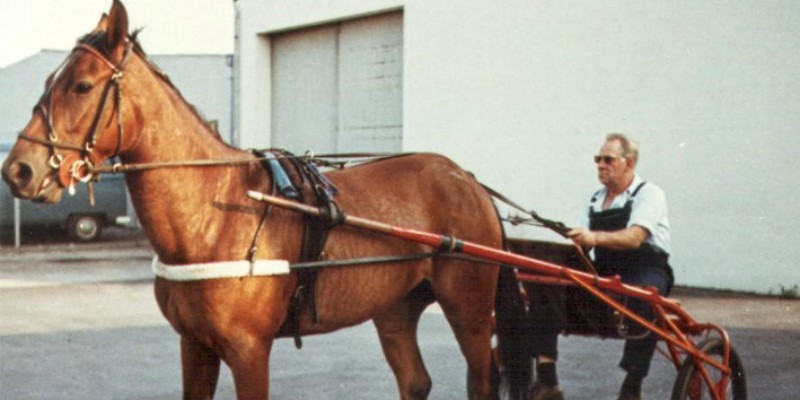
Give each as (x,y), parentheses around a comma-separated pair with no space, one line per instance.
(84,228)
(690,383)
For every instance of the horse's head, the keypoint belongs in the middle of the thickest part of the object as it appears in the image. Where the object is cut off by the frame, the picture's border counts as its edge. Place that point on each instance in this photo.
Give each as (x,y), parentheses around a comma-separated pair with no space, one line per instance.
(78,121)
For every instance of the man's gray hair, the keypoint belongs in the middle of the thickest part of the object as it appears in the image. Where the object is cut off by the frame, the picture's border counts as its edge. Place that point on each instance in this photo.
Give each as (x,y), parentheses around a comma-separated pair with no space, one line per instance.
(630,148)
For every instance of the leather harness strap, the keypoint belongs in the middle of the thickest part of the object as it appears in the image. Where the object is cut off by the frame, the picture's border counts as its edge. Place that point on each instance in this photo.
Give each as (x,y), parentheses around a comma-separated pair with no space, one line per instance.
(311,188)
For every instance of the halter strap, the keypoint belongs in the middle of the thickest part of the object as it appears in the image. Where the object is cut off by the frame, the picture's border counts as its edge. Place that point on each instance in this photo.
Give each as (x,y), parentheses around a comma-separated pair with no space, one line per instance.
(114,80)
(90,49)
(84,173)
(51,143)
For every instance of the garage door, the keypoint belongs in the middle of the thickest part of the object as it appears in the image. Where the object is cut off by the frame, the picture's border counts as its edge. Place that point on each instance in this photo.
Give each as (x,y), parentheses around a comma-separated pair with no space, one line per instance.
(338,87)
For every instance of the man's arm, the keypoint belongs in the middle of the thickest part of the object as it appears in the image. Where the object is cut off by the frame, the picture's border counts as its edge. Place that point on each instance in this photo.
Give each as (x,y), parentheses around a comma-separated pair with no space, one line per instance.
(626,239)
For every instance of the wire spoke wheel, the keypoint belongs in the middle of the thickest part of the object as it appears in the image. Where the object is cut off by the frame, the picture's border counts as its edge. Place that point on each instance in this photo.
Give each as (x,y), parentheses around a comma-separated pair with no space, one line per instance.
(690,384)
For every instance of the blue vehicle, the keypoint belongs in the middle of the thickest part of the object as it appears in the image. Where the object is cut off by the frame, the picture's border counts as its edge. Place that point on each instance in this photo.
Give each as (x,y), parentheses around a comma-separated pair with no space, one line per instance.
(81,221)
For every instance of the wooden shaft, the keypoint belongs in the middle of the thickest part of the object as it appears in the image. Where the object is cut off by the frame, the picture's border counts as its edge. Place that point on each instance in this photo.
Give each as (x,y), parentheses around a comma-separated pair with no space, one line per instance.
(423,237)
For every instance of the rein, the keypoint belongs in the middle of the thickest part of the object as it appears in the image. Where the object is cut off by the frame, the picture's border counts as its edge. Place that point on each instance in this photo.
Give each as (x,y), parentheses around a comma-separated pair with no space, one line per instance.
(555,226)
(321,159)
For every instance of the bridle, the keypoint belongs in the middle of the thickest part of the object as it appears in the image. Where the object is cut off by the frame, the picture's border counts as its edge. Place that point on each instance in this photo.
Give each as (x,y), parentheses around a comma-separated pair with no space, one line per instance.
(79,167)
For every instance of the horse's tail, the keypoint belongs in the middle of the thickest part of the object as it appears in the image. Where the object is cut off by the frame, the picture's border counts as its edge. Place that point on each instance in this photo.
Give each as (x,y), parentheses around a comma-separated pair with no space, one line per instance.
(513,356)
(512,340)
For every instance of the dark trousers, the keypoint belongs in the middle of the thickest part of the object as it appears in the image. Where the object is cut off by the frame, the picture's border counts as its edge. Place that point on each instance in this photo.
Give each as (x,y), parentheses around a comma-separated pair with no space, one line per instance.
(546,318)
(638,353)
(548,309)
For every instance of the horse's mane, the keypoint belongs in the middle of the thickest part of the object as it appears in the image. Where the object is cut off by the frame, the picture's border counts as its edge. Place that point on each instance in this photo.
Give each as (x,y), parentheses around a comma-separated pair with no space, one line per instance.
(96,39)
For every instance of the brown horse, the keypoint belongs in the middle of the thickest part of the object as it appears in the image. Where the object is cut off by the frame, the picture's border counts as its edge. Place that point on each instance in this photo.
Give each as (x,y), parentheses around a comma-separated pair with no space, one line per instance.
(108,100)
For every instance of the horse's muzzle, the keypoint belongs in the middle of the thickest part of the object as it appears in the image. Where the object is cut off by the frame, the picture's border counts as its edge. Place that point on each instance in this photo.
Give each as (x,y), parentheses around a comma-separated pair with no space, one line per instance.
(24,183)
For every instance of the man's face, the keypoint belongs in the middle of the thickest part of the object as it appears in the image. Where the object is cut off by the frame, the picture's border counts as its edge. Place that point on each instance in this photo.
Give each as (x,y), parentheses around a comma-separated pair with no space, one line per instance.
(611,166)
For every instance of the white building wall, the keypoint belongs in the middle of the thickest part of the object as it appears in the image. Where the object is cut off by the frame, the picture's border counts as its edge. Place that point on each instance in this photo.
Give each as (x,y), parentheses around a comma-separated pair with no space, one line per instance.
(206,81)
(522,93)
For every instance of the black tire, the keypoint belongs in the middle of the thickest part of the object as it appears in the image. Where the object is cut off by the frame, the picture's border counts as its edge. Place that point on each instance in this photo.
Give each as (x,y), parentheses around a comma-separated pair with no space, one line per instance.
(690,384)
(84,227)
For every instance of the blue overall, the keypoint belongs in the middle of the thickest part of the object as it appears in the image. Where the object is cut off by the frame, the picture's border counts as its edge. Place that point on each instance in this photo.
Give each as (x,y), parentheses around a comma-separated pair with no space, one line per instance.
(645,266)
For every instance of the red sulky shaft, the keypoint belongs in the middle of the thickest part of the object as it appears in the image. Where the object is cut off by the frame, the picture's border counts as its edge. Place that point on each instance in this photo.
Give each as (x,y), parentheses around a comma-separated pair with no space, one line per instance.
(435,240)
(450,243)
(590,282)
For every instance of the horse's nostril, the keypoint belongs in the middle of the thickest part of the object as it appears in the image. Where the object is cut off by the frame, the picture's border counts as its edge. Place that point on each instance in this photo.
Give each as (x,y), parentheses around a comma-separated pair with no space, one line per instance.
(20,174)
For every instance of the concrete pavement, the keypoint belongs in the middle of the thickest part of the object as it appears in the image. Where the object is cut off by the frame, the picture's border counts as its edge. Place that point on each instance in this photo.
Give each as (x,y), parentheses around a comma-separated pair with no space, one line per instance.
(80,322)
(51,261)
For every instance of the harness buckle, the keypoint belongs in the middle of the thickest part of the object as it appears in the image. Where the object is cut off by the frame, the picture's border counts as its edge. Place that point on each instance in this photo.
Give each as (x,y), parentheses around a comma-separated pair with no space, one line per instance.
(72,169)
(82,170)
(55,161)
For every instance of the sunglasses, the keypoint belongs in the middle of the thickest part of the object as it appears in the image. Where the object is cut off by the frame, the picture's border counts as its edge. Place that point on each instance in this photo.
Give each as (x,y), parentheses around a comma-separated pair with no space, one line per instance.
(605,159)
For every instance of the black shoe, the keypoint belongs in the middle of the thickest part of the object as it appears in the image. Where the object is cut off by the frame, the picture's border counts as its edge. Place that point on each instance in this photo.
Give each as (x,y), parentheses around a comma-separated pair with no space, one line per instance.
(631,387)
(546,392)
(629,396)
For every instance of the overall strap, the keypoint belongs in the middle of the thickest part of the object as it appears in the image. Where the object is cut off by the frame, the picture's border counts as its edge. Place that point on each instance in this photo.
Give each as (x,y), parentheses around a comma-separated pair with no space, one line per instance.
(635,191)
(594,196)
(633,194)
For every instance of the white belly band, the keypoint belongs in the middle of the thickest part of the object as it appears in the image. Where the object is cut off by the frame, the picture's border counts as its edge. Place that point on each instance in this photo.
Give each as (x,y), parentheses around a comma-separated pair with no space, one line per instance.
(219,270)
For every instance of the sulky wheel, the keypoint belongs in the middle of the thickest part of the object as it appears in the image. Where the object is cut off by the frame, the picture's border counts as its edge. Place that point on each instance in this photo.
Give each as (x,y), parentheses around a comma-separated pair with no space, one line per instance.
(690,384)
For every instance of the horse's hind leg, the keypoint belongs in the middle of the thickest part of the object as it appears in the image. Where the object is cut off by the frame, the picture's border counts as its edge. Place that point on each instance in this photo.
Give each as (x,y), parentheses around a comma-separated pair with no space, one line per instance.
(468,308)
(397,330)
(200,370)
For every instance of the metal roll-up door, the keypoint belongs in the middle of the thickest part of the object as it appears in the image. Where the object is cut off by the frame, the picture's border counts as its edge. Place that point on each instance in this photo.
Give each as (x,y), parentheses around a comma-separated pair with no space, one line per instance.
(338,88)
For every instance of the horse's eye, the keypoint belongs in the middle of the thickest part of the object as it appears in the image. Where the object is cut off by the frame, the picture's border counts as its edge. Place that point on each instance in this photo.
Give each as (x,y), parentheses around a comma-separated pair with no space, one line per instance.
(83,87)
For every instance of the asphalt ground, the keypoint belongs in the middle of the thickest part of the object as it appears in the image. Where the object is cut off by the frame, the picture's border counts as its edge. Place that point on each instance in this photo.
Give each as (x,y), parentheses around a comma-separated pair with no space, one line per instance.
(79,321)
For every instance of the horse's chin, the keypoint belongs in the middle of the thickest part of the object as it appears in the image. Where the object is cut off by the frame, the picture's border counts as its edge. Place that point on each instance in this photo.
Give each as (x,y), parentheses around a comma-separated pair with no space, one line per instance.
(49,192)
(51,197)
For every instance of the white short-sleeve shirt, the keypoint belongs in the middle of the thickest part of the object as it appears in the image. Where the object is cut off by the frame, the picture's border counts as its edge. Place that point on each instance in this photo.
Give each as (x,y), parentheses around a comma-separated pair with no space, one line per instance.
(649,210)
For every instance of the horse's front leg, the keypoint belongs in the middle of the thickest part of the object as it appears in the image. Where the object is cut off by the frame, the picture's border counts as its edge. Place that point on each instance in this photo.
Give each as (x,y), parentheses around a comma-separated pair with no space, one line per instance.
(248,359)
(200,369)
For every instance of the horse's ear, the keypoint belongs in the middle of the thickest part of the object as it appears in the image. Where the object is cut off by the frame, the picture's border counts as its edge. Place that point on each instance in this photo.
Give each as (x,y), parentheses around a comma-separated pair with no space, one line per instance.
(102,25)
(116,28)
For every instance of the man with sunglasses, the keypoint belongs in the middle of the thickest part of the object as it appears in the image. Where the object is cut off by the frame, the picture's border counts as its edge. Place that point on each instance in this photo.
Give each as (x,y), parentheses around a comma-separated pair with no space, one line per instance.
(626,225)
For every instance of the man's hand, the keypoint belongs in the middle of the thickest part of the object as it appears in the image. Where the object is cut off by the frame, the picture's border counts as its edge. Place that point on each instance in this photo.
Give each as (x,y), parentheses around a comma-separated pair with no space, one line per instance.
(626,239)
(582,236)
